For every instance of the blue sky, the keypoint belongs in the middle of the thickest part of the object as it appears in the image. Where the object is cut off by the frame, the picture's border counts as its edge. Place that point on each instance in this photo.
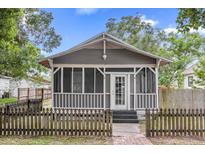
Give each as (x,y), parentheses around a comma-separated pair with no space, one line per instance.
(77,25)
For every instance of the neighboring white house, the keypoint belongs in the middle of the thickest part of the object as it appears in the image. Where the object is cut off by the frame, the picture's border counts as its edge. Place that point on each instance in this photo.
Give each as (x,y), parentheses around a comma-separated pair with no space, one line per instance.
(8,84)
(190,78)
(4,84)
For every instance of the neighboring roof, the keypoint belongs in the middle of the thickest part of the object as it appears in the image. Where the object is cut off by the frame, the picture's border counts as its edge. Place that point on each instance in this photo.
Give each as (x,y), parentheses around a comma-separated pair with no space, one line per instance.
(190,69)
(5,77)
(101,37)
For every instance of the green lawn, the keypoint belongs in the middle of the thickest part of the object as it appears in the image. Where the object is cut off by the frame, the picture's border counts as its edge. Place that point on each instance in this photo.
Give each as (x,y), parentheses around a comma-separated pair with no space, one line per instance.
(7,100)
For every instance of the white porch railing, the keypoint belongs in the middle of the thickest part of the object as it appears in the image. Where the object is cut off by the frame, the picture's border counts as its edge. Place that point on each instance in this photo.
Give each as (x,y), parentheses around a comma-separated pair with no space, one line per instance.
(79,100)
(145,100)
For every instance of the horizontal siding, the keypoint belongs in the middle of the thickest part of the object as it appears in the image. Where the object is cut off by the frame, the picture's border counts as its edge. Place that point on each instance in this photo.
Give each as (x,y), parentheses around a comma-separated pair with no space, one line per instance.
(94,56)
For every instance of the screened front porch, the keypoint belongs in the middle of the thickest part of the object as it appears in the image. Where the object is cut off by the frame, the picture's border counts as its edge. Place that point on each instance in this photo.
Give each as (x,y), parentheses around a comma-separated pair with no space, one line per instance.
(116,88)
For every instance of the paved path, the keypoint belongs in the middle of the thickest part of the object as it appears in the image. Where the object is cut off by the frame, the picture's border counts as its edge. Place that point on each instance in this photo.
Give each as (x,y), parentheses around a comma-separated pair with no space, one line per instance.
(127,134)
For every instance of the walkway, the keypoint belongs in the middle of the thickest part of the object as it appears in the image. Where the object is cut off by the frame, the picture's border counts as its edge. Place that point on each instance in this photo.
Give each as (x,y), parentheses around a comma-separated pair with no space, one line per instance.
(127,134)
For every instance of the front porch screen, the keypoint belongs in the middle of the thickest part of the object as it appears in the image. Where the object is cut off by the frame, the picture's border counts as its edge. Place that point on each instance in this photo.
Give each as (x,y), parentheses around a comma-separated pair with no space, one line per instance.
(73,82)
(77,80)
(145,81)
(57,80)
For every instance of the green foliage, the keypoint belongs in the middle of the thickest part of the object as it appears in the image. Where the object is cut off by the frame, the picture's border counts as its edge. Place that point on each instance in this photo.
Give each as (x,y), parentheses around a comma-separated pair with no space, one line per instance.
(183,49)
(187,20)
(23,34)
(200,72)
(180,48)
(190,18)
(135,31)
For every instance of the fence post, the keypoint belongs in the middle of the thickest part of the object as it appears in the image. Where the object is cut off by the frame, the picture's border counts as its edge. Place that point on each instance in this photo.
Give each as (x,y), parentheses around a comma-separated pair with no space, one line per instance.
(18,94)
(42,91)
(27,93)
(1,123)
(28,105)
(147,122)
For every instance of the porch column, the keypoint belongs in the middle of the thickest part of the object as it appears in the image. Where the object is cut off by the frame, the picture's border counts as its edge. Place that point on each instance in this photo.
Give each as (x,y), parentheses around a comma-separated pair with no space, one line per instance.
(156,79)
(134,88)
(104,88)
(61,79)
(52,81)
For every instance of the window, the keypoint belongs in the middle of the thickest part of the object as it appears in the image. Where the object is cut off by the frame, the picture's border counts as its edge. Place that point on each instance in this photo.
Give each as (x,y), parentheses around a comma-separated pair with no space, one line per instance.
(190,81)
(77,80)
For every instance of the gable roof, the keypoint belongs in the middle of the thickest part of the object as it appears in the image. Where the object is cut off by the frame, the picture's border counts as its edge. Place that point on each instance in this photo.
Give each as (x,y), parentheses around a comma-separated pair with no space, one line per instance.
(190,69)
(100,37)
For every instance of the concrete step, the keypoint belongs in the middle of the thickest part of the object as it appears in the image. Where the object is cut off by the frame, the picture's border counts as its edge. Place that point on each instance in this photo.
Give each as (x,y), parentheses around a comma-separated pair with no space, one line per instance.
(124,116)
(124,112)
(125,121)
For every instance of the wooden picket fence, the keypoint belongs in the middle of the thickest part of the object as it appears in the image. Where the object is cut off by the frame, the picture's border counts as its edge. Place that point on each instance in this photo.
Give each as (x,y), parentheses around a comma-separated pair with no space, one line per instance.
(68,122)
(32,104)
(175,122)
(33,93)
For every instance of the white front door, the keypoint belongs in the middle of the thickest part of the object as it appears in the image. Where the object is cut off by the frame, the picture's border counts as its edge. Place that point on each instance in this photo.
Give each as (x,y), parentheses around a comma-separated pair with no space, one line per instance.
(119,92)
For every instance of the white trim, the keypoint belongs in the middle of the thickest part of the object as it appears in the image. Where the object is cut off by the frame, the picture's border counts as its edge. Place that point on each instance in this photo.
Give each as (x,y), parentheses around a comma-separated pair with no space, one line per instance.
(152,70)
(103,73)
(138,71)
(156,83)
(145,79)
(119,73)
(105,65)
(128,91)
(83,80)
(104,47)
(104,88)
(134,88)
(72,79)
(52,81)
(56,69)
(94,80)
(61,79)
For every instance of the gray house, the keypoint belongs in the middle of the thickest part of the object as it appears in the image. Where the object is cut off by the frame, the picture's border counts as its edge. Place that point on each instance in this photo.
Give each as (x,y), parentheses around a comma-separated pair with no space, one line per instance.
(104,72)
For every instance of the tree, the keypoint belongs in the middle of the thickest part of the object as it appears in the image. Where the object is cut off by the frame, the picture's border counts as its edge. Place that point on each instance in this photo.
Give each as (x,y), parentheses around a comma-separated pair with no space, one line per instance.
(181,48)
(190,18)
(200,72)
(133,30)
(187,20)
(23,34)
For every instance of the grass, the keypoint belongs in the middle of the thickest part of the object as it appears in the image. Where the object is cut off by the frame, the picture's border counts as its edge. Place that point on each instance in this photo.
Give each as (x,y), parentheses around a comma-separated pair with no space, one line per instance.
(7,100)
(54,140)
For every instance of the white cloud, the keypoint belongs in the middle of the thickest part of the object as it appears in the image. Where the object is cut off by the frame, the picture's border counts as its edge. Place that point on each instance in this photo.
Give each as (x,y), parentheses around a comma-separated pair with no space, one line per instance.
(170,29)
(150,21)
(200,30)
(86,11)
(174,30)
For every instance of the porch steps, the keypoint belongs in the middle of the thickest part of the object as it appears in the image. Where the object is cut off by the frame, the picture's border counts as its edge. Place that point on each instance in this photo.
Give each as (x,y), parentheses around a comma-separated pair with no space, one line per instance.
(121,116)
